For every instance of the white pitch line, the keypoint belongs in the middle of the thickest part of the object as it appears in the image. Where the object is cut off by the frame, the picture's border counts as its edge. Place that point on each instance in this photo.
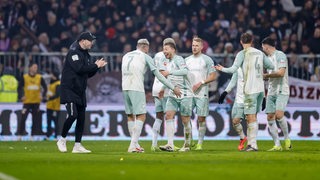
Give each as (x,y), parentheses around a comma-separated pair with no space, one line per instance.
(4,176)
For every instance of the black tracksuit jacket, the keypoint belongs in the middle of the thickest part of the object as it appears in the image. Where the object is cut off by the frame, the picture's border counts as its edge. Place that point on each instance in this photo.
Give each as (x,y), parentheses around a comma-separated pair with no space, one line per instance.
(77,68)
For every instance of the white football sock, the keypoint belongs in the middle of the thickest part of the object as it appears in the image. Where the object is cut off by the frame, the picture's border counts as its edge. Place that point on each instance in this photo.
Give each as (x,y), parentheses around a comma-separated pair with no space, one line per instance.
(284,127)
(130,127)
(187,133)
(252,134)
(170,131)
(239,129)
(155,131)
(274,132)
(136,133)
(202,131)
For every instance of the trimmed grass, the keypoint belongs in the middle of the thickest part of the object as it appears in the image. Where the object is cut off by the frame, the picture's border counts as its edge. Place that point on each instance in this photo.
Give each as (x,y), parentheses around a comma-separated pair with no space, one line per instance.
(218,160)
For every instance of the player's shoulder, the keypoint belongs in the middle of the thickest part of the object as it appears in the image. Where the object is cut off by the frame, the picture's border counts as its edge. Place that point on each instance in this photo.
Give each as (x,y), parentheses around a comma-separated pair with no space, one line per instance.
(206,57)
(126,54)
(159,55)
(253,49)
(133,53)
(178,57)
(187,58)
(147,56)
(240,53)
(280,53)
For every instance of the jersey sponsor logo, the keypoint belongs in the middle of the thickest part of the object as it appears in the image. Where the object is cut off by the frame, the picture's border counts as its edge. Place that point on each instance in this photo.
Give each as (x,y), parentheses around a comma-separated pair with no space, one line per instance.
(33,87)
(50,93)
(75,57)
(282,61)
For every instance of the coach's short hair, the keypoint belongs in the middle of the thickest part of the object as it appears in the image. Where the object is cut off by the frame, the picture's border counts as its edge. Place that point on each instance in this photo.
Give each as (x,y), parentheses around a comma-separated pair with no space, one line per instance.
(269,41)
(246,38)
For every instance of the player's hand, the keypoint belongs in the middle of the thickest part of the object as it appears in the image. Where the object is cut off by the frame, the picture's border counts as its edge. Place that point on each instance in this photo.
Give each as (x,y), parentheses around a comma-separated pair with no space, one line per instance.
(263,104)
(218,67)
(196,86)
(165,73)
(265,77)
(222,96)
(177,91)
(161,94)
(101,63)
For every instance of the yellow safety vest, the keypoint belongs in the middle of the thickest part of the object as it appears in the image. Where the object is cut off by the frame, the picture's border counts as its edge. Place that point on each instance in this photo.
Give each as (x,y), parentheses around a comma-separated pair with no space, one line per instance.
(53,104)
(32,89)
(8,88)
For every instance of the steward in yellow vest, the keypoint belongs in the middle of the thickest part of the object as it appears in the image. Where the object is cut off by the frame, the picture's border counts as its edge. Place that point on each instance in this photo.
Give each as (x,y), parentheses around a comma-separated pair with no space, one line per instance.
(8,86)
(31,95)
(53,104)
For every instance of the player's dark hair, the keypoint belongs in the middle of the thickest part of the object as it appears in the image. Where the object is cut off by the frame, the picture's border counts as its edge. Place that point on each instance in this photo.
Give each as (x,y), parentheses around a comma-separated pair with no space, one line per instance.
(269,41)
(246,38)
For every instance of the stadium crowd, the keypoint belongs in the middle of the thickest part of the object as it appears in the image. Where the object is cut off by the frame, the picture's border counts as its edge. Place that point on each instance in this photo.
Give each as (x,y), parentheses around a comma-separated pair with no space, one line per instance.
(52,25)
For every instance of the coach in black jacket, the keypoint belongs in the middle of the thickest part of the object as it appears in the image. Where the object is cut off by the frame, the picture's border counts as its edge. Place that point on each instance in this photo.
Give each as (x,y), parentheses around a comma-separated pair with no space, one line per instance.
(76,70)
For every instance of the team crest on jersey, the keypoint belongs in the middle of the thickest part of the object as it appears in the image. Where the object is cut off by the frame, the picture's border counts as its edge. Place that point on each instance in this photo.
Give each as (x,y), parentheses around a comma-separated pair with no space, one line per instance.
(75,57)
(165,63)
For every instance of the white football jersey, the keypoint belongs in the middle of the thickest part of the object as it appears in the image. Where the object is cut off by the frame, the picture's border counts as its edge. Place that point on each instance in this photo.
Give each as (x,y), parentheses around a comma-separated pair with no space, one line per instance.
(279,85)
(157,85)
(199,69)
(252,61)
(134,67)
(177,63)
(237,79)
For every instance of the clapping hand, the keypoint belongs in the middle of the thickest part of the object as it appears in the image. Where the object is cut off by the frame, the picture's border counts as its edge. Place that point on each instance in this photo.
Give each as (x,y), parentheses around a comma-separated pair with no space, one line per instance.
(101,63)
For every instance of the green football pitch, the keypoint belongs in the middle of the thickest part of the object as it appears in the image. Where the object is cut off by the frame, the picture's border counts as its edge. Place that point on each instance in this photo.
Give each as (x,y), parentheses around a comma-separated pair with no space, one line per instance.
(109,160)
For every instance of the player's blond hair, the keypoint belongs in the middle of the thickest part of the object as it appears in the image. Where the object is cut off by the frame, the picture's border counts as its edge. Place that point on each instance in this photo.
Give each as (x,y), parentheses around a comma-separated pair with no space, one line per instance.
(197,39)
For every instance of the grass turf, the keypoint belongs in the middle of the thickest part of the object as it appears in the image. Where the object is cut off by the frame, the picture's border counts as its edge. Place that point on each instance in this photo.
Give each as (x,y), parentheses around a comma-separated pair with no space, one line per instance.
(109,160)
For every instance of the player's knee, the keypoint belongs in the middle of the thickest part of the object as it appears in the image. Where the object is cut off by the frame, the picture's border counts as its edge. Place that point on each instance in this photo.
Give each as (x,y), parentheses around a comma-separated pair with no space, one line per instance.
(279,116)
(270,117)
(235,121)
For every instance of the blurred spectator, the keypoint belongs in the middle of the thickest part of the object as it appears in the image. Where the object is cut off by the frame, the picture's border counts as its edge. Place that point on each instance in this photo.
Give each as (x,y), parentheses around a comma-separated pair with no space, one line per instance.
(53,25)
(4,41)
(215,21)
(303,70)
(207,49)
(30,21)
(293,65)
(228,55)
(314,41)
(316,76)
(289,6)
